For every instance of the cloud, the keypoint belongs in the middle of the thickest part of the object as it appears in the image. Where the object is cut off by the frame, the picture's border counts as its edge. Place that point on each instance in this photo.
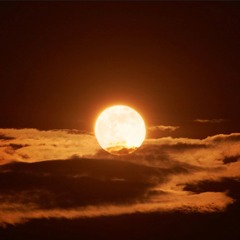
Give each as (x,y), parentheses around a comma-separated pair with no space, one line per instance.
(164,174)
(209,152)
(220,120)
(31,145)
(211,159)
(87,180)
(204,202)
(163,128)
(80,188)
(5,137)
(233,137)
(231,159)
(220,185)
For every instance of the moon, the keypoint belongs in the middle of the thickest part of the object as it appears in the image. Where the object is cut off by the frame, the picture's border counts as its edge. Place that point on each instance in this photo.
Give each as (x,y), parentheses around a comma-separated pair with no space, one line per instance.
(120,130)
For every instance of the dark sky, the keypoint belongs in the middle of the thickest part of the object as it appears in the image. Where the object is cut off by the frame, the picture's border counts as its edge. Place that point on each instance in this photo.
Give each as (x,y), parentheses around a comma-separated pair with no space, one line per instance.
(62,63)
(177,63)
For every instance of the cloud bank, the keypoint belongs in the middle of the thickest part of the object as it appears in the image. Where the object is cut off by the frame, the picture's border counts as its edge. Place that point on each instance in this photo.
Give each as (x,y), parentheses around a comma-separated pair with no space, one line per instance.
(31,145)
(165,174)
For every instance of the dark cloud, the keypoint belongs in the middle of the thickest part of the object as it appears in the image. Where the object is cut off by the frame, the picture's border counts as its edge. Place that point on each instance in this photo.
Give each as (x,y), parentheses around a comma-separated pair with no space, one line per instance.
(231,159)
(153,156)
(229,185)
(178,146)
(75,131)
(96,168)
(79,182)
(5,137)
(81,187)
(138,226)
(15,146)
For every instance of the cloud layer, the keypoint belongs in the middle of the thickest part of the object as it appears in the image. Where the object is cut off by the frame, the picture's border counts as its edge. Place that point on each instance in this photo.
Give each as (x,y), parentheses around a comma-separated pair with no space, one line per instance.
(165,174)
(31,145)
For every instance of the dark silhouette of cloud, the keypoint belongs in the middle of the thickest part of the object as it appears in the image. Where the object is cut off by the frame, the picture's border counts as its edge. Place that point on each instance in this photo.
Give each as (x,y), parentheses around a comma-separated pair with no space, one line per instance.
(171,225)
(231,159)
(15,146)
(78,182)
(79,187)
(5,137)
(229,185)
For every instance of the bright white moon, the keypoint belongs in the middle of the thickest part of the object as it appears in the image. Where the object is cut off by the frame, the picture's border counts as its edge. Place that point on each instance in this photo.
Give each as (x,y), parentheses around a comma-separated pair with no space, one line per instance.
(120,130)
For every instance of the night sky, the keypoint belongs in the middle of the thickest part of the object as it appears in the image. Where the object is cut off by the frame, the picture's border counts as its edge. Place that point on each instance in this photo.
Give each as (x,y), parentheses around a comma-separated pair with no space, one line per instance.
(176,63)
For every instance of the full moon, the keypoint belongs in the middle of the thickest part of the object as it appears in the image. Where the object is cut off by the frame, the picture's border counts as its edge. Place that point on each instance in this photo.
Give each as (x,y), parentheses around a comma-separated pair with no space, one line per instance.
(120,130)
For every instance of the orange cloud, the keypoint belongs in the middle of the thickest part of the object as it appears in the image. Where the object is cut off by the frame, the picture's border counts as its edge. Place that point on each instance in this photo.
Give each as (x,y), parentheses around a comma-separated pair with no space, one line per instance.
(160,170)
(163,128)
(44,145)
(210,120)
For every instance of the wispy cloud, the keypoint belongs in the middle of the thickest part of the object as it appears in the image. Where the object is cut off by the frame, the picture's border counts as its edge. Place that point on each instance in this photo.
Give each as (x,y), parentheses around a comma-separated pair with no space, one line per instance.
(210,120)
(163,128)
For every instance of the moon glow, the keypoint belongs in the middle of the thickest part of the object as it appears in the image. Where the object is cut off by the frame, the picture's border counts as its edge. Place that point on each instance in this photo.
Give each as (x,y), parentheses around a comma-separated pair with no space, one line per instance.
(120,130)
